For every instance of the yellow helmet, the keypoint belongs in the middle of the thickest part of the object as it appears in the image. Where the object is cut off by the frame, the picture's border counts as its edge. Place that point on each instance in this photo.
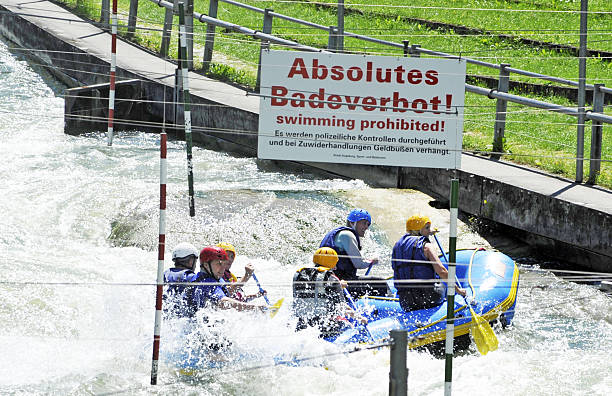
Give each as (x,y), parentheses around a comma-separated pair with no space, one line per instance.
(228,247)
(325,257)
(416,222)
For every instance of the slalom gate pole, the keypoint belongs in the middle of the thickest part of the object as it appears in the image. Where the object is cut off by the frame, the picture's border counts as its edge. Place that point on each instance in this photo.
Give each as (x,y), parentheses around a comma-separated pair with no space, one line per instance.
(113,68)
(187,104)
(450,290)
(160,256)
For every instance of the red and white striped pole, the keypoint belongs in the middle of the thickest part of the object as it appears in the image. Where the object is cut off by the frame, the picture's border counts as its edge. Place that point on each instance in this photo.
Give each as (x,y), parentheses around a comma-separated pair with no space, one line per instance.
(160,257)
(113,68)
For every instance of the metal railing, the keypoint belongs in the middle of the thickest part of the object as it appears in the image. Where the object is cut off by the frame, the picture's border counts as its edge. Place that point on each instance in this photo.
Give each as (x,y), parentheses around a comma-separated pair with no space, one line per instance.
(335,44)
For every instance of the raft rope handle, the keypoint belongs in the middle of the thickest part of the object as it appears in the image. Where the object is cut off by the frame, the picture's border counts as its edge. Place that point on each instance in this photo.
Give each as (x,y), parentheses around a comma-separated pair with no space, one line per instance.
(470,273)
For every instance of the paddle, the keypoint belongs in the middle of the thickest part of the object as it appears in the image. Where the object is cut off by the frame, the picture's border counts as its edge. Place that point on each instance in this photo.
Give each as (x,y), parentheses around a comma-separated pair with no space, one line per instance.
(260,289)
(369,269)
(351,304)
(481,331)
(275,307)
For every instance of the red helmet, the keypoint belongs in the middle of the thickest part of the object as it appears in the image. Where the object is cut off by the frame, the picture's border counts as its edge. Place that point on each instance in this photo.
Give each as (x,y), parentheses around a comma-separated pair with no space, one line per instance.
(210,253)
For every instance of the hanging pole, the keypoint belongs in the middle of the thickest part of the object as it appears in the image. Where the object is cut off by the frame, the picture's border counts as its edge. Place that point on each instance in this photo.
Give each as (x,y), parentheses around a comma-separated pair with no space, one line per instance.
(450,290)
(113,68)
(582,54)
(160,255)
(187,104)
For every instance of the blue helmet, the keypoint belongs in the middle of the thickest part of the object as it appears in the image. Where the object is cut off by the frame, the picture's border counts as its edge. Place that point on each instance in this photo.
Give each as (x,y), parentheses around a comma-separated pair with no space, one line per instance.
(359,214)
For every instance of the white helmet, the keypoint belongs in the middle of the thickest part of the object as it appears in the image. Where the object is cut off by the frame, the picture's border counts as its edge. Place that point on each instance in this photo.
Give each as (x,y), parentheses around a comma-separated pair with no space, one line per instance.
(184,250)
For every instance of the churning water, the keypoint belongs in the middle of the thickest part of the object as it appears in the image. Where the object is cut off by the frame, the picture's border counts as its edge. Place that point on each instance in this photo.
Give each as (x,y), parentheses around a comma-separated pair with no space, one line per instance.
(78,238)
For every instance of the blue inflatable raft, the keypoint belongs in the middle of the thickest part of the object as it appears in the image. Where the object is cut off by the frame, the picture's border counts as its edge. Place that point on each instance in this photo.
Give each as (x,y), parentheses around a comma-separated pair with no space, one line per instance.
(491,280)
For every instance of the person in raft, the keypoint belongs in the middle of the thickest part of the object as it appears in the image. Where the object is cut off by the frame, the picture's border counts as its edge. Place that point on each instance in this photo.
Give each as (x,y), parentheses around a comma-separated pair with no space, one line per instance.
(212,267)
(185,258)
(318,298)
(414,258)
(234,285)
(346,241)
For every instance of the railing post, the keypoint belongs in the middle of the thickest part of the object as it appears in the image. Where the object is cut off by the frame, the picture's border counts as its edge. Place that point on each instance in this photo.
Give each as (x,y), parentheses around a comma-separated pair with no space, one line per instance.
(167,30)
(582,54)
(105,14)
(132,17)
(501,110)
(267,29)
(398,372)
(213,6)
(596,135)
(414,51)
(406,47)
(340,37)
(331,41)
(189,32)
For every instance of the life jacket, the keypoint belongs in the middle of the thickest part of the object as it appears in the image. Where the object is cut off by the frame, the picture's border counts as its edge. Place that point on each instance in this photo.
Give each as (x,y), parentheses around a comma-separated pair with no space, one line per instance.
(316,293)
(345,265)
(410,247)
(202,294)
(178,298)
(231,278)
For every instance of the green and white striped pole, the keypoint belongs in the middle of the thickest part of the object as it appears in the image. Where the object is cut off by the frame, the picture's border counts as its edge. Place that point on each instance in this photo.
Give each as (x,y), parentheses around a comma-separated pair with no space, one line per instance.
(186,104)
(450,291)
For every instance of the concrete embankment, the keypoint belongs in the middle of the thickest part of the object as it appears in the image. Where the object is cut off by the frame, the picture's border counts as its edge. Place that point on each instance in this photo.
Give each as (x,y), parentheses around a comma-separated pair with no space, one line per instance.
(567,221)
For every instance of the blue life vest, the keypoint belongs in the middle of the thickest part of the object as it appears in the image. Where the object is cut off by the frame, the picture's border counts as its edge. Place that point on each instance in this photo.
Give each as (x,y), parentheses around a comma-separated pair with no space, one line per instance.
(411,247)
(203,294)
(174,275)
(182,296)
(345,265)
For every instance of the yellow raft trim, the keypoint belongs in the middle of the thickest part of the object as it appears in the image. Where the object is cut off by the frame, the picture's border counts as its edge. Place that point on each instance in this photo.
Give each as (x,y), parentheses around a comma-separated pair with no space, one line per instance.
(463,329)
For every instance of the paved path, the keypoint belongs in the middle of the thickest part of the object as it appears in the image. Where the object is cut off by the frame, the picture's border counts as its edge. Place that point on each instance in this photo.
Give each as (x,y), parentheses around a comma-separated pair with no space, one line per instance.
(96,42)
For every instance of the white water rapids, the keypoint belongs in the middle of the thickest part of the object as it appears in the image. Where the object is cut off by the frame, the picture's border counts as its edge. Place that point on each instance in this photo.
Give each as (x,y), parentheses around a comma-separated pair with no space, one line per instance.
(78,240)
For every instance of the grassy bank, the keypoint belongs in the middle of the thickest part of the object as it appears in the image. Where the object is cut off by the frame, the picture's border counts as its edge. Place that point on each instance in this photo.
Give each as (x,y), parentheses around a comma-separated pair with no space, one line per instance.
(534,137)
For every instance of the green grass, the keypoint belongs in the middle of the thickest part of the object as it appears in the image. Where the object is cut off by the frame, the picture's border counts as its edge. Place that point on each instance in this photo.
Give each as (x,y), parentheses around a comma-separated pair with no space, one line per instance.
(534,137)
(548,21)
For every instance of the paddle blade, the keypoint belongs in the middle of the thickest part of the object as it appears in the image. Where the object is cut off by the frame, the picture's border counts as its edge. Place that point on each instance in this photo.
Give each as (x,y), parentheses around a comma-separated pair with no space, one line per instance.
(483,334)
(490,337)
(275,307)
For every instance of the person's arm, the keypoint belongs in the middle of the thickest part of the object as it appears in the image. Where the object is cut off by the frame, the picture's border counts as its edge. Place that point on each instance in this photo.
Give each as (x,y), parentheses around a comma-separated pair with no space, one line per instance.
(229,303)
(347,241)
(248,272)
(254,296)
(351,313)
(438,267)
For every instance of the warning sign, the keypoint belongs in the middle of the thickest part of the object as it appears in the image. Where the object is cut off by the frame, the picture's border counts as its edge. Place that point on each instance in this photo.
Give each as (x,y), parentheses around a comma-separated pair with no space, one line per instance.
(374,110)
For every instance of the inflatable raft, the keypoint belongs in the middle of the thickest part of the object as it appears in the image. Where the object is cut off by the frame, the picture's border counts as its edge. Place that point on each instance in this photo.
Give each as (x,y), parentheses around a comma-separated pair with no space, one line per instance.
(491,280)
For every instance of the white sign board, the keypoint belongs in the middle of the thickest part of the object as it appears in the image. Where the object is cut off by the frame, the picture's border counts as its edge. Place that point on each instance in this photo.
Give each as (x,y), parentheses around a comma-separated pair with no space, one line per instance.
(375,110)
